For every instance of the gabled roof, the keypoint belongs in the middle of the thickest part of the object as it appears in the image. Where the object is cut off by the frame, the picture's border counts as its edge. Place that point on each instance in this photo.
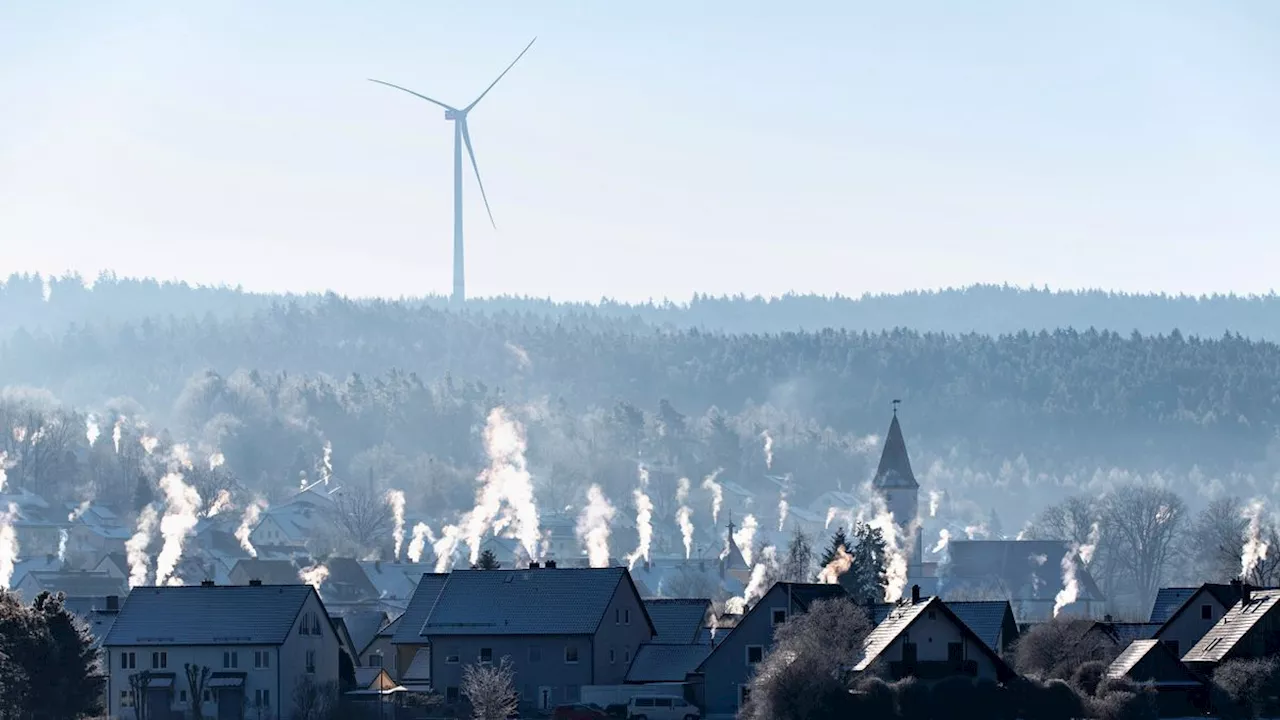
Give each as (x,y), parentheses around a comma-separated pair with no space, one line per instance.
(665,663)
(363,626)
(1151,661)
(78,583)
(209,615)
(419,669)
(1224,594)
(798,596)
(902,617)
(894,470)
(1235,624)
(1168,601)
(986,618)
(1125,633)
(346,580)
(542,601)
(409,624)
(677,620)
(394,580)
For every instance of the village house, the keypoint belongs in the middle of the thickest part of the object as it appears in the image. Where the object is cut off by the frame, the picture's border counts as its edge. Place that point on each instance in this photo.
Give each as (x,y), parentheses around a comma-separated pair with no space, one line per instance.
(562,628)
(71,583)
(1179,691)
(1187,614)
(923,638)
(411,661)
(1028,573)
(1249,629)
(263,645)
(991,620)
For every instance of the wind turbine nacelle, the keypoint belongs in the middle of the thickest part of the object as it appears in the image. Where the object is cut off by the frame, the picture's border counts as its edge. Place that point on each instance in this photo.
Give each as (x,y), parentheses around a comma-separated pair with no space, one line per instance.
(452,115)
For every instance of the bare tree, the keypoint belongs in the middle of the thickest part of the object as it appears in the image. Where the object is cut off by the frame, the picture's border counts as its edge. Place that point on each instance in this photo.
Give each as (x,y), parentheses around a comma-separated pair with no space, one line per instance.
(802,677)
(1145,523)
(197,680)
(1217,541)
(491,690)
(362,516)
(1071,520)
(690,582)
(314,701)
(1055,649)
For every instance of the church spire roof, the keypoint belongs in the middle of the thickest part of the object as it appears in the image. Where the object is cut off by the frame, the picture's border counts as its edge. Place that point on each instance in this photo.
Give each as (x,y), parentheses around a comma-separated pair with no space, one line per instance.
(895,466)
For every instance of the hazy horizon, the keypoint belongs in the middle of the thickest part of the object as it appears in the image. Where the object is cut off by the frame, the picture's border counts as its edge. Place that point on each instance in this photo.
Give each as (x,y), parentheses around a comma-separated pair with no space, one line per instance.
(646,154)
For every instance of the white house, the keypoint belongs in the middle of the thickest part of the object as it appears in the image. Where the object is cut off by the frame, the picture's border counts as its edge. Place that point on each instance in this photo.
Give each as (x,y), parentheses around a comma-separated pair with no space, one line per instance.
(263,645)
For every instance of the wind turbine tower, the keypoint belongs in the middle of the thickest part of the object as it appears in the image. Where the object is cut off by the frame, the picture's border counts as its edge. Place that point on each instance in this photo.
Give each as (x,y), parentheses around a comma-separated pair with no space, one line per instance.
(462,136)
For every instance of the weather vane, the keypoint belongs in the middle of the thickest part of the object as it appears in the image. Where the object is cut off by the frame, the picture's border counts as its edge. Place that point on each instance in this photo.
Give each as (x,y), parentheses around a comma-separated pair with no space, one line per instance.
(895,406)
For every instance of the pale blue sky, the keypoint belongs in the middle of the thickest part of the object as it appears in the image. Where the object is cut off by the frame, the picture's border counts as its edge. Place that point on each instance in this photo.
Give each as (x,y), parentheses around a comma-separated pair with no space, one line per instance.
(647,149)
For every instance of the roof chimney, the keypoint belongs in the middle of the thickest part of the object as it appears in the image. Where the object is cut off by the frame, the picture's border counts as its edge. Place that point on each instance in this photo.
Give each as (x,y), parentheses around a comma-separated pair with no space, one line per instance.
(550,565)
(1245,595)
(915,594)
(533,565)
(256,582)
(113,603)
(207,583)
(1106,618)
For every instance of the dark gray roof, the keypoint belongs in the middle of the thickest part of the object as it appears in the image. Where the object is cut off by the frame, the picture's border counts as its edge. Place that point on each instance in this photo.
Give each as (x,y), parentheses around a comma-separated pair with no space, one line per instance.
(1152,661)
(1223,637)
(1026,569)
(901,617)
(557,601)
(346,581)
(665,663)
(895,467)
(1130,656)
(1127,632)
(986,618)
(214,615)
(363,626)
(1168,600)
(409,624)
(80,583)
(677,620)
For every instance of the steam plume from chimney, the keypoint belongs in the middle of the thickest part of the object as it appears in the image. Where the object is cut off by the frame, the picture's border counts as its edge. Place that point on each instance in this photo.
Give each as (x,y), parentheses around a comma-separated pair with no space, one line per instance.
(1255,548)
(446,547)
(506,480)
(935,500)
(182,508)
(247,522)
(839,565)
(326,465)
(314,575)
(768,450)
(1070,591)
(92,431)
(62,544)
(137,545)
(895,550)
(761,574)
(644,520)
(717,495)
(592,528)
(222,501)
(149,443)
(8,538)
(115,435)
(395,498)
(686,529)
(74,515)
(783,507)
(421,536)
(216,460)
(944,538)
(745,536)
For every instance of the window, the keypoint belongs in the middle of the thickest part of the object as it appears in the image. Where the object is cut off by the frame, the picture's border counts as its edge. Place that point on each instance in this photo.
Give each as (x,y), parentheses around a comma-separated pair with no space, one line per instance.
(451,694)
(955,652)
(486,655)
(375,660)
(755,654)
(662,702)
(125,698)
(315,624)
(182,696)
(311,661)
(262,698)
(626,655)
(535,653)
(611,655)
(644,702)
(617,616)
(779,616)
(230,659)
(128,660)
(626,616)
(452,658)
(159,660)
(304,628)
(570,655)
(1206,612)
(261,659)
(208,695)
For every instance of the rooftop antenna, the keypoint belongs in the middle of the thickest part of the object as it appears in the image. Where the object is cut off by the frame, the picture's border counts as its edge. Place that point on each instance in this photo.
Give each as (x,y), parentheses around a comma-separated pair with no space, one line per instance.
(462,136)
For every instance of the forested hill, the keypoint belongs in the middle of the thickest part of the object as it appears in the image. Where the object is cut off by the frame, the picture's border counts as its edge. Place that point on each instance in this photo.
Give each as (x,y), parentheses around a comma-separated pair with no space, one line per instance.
(983,309)
(1063,398)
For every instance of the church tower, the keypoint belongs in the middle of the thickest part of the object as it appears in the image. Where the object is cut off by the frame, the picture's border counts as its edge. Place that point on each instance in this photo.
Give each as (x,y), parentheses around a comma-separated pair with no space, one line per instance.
(897,485)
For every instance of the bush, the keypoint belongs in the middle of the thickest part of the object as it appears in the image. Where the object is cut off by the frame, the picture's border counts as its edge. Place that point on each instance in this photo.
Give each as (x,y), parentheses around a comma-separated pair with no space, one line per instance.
(1054,700)
(956,698)
(873,699)
(914,699)
(1117,704)
(1087,677)
(1241,688)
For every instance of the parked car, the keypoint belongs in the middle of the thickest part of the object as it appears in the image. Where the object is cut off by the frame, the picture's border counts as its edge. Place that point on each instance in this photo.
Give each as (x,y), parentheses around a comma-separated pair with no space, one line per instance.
(578,711)
(661,707)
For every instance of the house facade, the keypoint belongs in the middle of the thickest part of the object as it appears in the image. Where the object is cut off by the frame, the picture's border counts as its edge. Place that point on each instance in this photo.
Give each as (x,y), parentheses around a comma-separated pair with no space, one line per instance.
(1196,616)
(924,639)
(263,645)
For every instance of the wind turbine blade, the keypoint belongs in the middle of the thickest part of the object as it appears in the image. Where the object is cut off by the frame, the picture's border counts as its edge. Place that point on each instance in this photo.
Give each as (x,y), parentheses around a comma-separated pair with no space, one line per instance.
(424,97)
(504,72)
(466,138)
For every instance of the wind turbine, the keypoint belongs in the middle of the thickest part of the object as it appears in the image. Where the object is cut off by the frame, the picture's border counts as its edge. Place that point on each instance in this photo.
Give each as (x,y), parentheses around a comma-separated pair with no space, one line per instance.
(462,136)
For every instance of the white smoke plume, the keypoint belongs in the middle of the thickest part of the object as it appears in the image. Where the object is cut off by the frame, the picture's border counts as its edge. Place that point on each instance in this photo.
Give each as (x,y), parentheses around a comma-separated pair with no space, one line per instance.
(684,519)
(63,536)
(768,450)
(839,565)
(682,491)
(137,545)
(644,520)
(247,522)
(895,549)
(745,536)
(506,482)
(976,532)
(763,571)
(446,547)
(1070,591)
(182,508)
(115,435)
(935,501)
(326,468)
(216,460)
(314,575)
(149,443)
(222,501)
(1090,544)
(831,515)
(944,538)
(92,431)
(395,498)
(733,606)
(418,543)
(783,507)
(593,527)
(80,509)
(8,538)
(1255,548)
(717,495)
